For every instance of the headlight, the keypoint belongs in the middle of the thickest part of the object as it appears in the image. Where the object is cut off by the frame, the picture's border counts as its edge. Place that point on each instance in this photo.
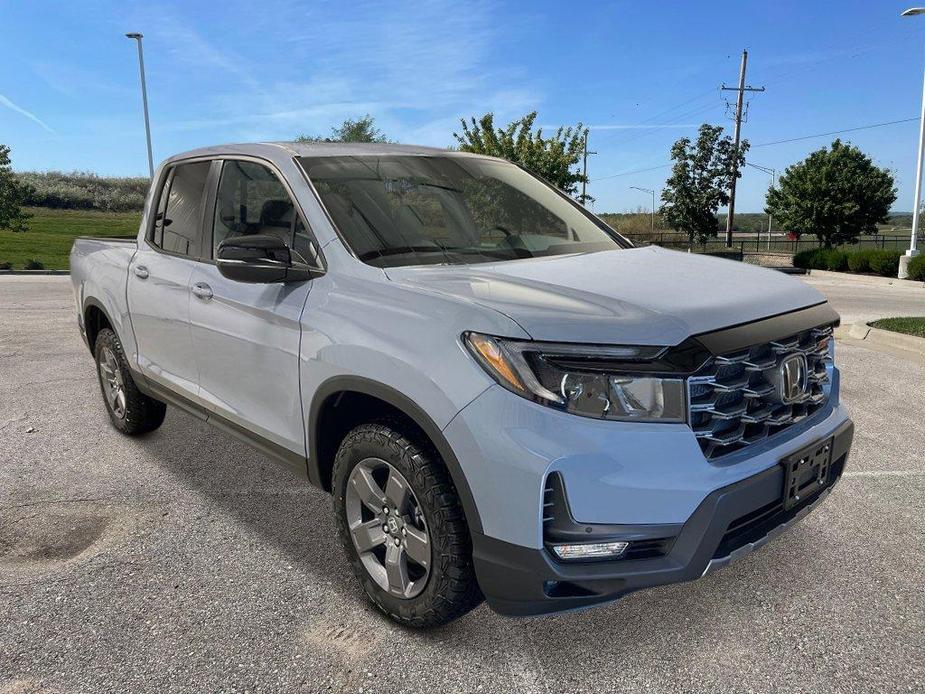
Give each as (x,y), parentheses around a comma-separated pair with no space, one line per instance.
(586,380)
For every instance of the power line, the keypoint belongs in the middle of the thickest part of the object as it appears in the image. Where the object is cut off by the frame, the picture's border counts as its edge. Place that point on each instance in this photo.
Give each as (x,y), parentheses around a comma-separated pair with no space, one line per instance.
(629,173)
(837,132)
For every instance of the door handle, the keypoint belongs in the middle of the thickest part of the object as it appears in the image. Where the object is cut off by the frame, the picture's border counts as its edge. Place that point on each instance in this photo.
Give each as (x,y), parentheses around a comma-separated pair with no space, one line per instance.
(202,290)
(141,272)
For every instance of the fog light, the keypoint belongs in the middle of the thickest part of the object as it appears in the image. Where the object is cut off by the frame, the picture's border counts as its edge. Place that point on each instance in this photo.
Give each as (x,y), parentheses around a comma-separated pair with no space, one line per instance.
(590,550)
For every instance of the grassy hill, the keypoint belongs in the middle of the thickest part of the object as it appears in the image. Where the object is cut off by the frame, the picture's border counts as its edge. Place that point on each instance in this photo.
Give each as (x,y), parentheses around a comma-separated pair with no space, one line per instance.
(51,233)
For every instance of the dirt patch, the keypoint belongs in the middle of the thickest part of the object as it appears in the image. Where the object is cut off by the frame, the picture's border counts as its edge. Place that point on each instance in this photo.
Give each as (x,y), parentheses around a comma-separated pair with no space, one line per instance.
(25,686)
(349,643)
(45,537)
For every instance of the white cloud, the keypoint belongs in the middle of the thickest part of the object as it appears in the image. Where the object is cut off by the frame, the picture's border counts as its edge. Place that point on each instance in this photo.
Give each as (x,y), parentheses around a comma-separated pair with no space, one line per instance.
(28,114)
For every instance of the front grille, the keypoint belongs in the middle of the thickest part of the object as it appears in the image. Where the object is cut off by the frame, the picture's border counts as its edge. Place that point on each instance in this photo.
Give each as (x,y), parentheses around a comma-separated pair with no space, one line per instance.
(734,401)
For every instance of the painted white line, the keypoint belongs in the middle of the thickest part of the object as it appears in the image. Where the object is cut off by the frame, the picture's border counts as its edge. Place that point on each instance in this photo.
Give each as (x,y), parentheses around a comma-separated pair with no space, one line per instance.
(884,473)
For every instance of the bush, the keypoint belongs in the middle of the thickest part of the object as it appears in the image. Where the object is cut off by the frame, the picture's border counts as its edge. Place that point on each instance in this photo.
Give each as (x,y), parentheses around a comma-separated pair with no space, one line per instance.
(859,261)
(808,259)
(917,268)
(834,259)
(81,190)
(33,264)
(885,262)
(6,266)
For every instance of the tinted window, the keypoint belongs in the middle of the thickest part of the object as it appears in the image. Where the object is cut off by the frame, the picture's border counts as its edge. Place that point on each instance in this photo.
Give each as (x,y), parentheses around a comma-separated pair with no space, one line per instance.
(404,210)
(252,200)
(178,228)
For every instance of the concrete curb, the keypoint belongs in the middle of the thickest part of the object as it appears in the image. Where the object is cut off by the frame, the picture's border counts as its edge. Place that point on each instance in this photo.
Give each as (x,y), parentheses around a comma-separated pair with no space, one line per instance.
(886,338)
(866,279)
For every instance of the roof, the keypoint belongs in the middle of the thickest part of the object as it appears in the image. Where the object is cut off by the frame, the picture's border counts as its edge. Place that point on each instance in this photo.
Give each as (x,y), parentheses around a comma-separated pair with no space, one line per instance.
(272,150)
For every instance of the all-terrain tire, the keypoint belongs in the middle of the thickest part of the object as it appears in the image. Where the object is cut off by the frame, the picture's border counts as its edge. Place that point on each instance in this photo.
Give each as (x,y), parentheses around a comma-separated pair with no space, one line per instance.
(139,414)
(451,588)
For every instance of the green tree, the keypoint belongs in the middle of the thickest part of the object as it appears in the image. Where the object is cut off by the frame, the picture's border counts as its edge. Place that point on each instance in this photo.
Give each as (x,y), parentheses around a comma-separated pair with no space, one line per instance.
(554,158)
(699,182)
(12,194)
(835,193)
(360,130)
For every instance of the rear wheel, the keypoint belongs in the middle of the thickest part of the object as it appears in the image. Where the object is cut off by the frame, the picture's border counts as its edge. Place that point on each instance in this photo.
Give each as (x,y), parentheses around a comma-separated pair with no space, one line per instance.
(131,411)
(402,527)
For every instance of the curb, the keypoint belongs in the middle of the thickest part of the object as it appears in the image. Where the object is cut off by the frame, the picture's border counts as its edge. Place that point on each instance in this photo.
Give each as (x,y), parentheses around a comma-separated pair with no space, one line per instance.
(887,338)
(34,272)
(866,279)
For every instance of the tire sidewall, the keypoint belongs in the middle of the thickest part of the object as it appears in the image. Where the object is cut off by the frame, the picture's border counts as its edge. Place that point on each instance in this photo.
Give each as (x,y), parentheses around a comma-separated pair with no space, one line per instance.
(108,339)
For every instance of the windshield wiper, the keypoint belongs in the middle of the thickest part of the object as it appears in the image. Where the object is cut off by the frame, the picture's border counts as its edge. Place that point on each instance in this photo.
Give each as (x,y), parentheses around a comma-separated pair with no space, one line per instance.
(405,250)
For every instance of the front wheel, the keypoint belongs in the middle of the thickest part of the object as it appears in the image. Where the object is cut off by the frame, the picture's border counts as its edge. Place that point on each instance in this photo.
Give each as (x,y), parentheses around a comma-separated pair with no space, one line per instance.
(131,411)
(402,526)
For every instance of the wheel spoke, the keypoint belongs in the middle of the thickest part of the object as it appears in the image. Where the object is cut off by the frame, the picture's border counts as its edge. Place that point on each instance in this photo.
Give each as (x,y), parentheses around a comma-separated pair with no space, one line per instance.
(368,535)
(111,395)
(397,492)
(120,401)
(396,568)
(418,546)
(367,489)
(108,373)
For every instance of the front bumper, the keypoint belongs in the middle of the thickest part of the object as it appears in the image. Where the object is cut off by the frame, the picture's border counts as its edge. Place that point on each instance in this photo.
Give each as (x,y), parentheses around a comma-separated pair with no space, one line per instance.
(728,523)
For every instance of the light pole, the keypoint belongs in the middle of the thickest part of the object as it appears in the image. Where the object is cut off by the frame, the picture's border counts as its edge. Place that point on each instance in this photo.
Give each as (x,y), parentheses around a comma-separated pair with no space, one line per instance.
(646,190)
(144,99)
(912,252)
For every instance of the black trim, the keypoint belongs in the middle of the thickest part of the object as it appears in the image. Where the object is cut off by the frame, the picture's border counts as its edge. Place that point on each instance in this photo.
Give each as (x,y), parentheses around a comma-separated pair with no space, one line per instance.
(365,386)
(766,329)
(519,580)
(279,454)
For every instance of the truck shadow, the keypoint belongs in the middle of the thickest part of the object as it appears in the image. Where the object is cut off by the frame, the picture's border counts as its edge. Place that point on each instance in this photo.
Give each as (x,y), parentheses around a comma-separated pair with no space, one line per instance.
(296,519)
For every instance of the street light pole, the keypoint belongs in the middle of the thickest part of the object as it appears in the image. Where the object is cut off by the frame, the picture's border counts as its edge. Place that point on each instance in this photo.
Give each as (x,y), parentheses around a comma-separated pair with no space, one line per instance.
(144,99)
(912,252)
(646,190)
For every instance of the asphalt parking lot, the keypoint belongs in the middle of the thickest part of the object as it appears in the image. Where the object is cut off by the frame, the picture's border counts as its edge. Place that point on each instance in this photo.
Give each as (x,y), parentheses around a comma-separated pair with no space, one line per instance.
(184,561)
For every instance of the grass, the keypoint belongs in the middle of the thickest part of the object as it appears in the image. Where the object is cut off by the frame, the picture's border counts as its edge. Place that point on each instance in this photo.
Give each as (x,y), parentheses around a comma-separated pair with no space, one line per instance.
(51,233)
(908,326)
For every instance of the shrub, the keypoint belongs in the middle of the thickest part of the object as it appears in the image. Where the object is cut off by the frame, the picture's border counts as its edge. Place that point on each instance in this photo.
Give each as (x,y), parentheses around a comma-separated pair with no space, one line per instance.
(834,259)
(34,264)
(885,262)
(83,191)
(917,268)
(808,259)
(6,266)
(859,261)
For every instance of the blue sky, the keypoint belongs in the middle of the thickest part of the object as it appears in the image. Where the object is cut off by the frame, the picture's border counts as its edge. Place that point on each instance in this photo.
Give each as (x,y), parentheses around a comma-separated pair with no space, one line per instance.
(640,74)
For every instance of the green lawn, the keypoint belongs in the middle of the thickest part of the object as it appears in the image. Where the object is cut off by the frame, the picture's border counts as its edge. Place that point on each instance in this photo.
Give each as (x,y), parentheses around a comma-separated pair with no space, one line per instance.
(51,233)
(909,326)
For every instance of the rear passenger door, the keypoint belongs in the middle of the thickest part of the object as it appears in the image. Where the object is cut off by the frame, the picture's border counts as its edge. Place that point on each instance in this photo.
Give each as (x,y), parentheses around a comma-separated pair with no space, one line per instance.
(159,280)
(246,336)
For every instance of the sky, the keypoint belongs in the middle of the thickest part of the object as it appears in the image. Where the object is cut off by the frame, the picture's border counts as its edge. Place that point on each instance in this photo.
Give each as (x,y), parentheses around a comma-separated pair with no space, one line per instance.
(639,74)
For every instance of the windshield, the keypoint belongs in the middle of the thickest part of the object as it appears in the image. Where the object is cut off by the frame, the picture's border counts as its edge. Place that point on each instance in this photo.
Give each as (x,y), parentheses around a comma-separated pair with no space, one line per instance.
(416,210)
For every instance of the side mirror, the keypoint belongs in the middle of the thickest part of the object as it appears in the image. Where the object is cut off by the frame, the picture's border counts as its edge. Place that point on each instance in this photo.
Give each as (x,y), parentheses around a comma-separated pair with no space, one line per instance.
(261,259)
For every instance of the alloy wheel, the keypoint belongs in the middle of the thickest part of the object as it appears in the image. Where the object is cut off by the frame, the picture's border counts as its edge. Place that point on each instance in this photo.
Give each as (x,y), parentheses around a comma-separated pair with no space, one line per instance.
(113,386)
(387,528)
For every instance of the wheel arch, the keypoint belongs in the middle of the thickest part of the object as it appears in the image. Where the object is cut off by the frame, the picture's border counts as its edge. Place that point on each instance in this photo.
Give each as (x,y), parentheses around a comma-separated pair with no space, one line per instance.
(339,391)
(95,318)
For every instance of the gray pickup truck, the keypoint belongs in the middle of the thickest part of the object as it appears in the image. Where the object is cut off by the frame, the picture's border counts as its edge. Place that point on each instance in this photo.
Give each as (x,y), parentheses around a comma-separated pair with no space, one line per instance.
(505,398)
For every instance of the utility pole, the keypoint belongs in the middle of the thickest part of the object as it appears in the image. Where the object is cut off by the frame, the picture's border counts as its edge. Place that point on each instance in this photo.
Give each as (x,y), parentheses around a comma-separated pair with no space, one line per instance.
(741,89)
(584,172)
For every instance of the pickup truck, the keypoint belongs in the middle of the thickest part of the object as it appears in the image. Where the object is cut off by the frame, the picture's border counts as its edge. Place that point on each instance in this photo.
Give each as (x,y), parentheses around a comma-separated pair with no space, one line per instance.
(505,398)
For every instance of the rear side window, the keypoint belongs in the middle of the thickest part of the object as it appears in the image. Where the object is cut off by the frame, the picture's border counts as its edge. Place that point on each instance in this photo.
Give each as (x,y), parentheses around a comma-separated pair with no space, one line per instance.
(252,200)
(178,224)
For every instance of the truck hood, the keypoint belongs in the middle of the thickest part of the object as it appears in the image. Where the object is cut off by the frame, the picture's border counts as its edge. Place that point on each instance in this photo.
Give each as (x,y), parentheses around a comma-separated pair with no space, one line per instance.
(642,296)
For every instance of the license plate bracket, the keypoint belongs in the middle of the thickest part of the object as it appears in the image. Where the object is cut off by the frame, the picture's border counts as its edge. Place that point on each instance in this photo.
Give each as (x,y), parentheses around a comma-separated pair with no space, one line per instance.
(806,472)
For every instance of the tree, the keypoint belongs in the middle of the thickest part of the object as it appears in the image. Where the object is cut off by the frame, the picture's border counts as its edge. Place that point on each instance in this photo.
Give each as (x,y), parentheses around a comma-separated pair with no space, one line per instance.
(361,130)
(699,182)
(12,194)
(554,158)
(836,193)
